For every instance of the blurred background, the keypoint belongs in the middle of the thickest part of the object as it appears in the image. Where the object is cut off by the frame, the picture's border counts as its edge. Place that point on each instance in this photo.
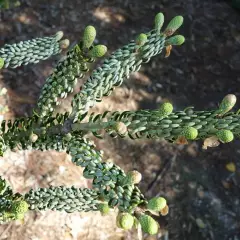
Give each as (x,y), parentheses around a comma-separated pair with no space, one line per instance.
(201,186)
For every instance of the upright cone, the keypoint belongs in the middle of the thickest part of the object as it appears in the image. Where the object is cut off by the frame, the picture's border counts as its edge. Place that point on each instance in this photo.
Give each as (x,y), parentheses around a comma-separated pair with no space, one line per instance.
(174,24)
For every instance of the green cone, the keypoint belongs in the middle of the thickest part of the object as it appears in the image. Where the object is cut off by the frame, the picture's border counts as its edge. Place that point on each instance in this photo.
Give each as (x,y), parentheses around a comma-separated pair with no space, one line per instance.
(227,103)
(173,25)
(141,39)
(157,203)
(225,136)
(175,40)
(166,109)
(190,133)
(125,221)
(148,224)
(158,22)
(89,36)
(98,51)
(104,208)
(19,207)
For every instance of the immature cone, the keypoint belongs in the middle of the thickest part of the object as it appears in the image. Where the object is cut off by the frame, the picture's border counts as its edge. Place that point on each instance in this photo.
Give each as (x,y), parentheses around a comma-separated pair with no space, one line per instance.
(175,40)
(174,24)
(190,133)
(19,207)
(225,136)
(89,36)
(125,221)
(98,51)
(165,109)
(104,208)
(158,22)
(148,224)
(157,204)
(141,39)
(64,44)
(134,177)
(1,63)
(227,103)
(120,128)
(33,137)
(59,35)
(68,137)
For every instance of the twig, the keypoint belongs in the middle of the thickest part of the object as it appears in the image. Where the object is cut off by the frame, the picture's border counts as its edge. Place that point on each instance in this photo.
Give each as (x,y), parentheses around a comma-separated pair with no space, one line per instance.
(167,165)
